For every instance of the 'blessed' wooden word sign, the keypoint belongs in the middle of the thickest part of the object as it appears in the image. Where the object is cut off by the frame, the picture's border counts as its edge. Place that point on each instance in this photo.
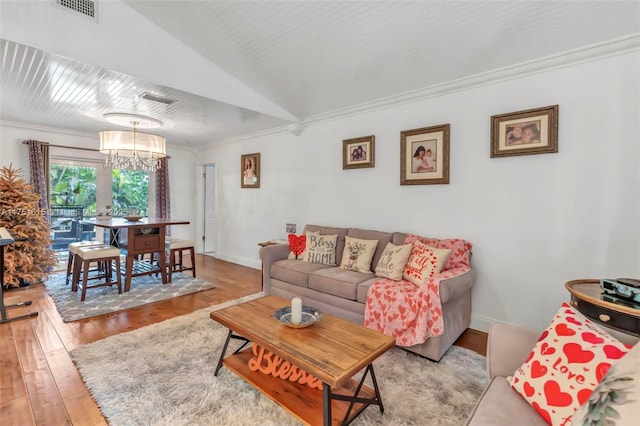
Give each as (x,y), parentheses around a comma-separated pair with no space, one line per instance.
(267,363)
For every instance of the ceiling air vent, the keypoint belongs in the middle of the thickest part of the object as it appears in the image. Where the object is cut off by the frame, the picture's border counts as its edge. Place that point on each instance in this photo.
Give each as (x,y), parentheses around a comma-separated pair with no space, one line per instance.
(87,8)
(156,98)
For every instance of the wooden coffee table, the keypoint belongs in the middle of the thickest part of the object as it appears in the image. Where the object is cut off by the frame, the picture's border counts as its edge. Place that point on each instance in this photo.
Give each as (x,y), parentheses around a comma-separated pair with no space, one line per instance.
(333,350)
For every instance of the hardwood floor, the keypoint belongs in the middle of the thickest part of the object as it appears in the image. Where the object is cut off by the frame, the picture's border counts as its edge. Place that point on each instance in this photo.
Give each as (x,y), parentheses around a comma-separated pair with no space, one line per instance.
(39,384)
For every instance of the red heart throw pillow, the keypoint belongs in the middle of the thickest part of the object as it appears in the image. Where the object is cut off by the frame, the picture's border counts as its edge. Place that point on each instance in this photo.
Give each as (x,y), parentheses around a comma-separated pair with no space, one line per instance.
(297,244)
(564,367)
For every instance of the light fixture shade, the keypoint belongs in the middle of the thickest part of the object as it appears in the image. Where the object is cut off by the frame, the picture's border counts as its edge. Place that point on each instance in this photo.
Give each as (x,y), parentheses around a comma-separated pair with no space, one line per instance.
(130,149)
(130,143)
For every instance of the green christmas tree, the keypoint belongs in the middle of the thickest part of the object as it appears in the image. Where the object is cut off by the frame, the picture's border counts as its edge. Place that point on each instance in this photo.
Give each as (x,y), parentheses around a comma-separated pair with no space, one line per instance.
(30,260)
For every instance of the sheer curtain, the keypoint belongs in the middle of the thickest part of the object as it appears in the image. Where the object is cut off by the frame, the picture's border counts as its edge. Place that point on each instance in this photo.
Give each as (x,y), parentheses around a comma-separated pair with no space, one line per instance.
(39,168)
(162,198)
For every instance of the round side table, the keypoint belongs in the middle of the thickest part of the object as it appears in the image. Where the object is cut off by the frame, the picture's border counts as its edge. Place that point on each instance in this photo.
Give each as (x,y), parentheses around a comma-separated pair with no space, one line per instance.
(620,317)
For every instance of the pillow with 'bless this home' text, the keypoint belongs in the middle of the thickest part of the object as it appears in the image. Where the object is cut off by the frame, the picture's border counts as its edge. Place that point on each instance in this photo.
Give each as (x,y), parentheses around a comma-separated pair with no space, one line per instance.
(321,249)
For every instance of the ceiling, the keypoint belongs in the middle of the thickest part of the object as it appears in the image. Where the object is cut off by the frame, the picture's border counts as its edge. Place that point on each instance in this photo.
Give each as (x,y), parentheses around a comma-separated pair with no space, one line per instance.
(235,68)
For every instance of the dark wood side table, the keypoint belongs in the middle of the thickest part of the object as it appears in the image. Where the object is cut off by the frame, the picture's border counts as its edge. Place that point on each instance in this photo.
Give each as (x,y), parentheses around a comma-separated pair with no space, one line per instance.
(272,242)
(266,243)
(612,313)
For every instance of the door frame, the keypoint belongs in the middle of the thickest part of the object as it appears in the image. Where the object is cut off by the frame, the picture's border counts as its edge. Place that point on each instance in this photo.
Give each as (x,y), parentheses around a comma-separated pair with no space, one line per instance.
(208,235)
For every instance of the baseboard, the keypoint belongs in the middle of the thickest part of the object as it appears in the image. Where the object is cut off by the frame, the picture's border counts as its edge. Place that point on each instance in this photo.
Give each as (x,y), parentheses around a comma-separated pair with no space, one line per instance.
(481,323)
(251,263)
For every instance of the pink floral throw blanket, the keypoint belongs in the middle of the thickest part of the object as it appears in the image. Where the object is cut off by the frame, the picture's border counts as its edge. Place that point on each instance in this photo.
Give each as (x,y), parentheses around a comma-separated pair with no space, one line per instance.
(410,313)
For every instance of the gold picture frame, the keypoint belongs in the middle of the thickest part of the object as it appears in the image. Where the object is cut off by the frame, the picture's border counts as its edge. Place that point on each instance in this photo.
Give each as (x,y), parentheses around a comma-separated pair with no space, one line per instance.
(250,170)
(532,131)
(358,153)
(424,155)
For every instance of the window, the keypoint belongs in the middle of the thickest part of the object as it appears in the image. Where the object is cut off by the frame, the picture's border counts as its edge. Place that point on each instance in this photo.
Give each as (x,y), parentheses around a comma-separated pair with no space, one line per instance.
(130,189)
(85,187)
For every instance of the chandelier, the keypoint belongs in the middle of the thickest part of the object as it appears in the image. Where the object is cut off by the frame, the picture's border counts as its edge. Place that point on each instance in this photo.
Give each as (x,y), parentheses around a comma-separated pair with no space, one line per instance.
(132,149)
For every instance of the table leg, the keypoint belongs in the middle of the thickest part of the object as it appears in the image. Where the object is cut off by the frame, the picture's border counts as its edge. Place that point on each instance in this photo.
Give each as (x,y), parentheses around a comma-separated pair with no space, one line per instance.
(128,273)
(224,352)
(326,404)
(230,336)
(163,265)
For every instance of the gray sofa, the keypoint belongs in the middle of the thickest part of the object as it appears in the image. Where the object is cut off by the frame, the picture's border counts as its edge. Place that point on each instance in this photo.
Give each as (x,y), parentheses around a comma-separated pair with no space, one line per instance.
(343,293)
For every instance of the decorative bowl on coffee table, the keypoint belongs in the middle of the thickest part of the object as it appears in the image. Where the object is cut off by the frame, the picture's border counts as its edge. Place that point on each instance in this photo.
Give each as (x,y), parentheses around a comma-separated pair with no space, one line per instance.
(310,316)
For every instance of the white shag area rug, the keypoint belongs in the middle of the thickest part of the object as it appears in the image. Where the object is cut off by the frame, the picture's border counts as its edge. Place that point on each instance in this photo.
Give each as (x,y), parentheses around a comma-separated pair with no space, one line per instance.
(162,374)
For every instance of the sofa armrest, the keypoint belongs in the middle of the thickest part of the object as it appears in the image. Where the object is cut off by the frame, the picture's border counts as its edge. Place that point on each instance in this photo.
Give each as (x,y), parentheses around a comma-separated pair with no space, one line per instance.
(268,255)
(454,282)
(507,348)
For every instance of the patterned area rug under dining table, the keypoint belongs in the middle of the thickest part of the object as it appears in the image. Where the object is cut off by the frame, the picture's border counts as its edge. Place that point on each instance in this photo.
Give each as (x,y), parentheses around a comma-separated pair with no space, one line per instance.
(104,300)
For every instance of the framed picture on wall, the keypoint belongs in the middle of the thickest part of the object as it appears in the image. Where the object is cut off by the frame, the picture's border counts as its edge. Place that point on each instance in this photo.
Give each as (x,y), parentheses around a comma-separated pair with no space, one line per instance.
(358,153)
(424,155)
(250,170)
(533,131)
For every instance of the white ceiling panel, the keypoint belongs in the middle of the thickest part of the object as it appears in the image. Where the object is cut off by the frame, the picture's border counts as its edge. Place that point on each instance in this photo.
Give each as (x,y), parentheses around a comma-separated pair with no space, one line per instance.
(305,58)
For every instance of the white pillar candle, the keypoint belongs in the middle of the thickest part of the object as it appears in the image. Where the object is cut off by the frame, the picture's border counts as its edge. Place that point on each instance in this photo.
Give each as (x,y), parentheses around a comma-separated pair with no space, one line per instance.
(296,310)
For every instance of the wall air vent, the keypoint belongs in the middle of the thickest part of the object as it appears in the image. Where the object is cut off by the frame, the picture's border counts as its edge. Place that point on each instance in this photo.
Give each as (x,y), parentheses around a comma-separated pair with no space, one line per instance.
(156,98)
(87,8)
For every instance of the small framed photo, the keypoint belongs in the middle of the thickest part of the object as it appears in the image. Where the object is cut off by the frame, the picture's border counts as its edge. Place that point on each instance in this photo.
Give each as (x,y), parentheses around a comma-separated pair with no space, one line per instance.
(250,171)
(533,131)
(358,153)
(424,155)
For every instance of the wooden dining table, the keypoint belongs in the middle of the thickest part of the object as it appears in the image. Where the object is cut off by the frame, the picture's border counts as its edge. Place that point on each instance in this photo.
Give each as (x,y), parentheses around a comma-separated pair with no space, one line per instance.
(138,238)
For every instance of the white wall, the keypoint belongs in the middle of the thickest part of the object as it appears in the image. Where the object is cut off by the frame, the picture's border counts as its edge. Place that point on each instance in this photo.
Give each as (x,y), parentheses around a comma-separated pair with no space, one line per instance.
(181,170)
(535,221)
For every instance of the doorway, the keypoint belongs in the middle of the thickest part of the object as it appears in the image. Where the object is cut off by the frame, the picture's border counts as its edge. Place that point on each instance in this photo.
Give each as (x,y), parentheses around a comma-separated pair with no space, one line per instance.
(209,222)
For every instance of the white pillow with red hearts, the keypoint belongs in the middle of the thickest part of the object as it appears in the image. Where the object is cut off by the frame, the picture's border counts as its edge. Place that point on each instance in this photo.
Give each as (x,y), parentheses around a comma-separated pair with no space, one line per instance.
(569,360)
(616,399)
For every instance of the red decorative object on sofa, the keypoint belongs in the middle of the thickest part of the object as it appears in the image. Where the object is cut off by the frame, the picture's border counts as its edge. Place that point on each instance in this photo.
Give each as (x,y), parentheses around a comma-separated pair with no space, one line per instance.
(297,244)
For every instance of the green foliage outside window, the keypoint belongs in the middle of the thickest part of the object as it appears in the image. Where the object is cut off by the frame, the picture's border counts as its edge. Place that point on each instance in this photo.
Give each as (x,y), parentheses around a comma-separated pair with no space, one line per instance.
(76,185)
(130,190)
(73,185)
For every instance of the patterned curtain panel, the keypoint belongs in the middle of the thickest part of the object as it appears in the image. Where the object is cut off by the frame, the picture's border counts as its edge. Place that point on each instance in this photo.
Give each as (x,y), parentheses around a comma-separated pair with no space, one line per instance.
(162,199)
(39,168)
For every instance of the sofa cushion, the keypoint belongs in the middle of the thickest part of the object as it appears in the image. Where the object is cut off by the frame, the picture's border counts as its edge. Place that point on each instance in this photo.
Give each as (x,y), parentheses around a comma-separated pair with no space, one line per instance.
(424,262)
(617,397)
(358,254)
(500,405)
(337,281)
(382,237)
(392,262)
(570,358)
(363,289)
(294,271)
(328,230)
(321,248)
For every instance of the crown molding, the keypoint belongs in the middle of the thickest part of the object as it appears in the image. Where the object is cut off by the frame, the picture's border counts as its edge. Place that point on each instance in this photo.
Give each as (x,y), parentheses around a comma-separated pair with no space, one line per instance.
(565,59)
(28,126)
(248,136)
(68,132)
